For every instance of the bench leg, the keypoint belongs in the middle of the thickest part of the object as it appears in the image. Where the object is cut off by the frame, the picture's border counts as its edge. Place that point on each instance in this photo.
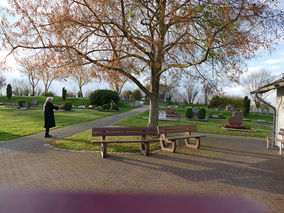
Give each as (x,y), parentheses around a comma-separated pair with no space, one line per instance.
(145,148)
(104,149)
(195,146)
(267,143)
(163,146)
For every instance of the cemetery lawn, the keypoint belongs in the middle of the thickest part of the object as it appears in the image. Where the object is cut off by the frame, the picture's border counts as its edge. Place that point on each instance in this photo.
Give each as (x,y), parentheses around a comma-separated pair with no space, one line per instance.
(41,99)
(212,126)
(82,141)
(17,123)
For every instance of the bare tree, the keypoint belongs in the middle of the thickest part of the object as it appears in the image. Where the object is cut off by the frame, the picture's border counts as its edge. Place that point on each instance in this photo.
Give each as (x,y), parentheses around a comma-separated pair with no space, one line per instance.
(116,81)
(82,76)
(2,81)
(192,87)
(145,38)
(48,70)
(30,68)
(20,87)
(255,80)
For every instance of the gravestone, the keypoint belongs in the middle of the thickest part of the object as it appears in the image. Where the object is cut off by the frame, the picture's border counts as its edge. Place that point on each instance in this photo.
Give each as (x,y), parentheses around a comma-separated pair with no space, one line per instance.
(34,102)
(26,105)
(237,119)
(195,113)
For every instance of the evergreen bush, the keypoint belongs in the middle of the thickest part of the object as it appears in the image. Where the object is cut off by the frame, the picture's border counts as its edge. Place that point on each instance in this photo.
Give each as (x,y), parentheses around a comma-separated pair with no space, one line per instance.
(48,94)
(188,112)
(106,107)
(101,97)
(64,93)
(246,106)
(115,107)
(202,113)
(137,95)
(9,91)
(67,106)
(21,103)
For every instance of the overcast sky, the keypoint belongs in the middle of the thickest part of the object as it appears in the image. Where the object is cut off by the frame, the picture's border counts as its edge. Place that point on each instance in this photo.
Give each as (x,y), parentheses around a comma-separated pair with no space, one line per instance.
(273,61)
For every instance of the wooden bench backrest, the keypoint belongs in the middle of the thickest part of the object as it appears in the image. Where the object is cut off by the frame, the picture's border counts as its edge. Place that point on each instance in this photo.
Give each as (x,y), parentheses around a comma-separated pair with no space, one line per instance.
(123,131)
(177,129)
(170,111)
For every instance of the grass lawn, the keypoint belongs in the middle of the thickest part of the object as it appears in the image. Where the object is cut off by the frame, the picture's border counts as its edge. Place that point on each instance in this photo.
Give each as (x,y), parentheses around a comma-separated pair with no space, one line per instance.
(212,126)
(18,123)
(82,141)
(41,100)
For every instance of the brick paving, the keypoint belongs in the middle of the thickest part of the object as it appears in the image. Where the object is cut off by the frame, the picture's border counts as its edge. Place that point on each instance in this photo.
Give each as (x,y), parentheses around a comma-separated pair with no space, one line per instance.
(223,165)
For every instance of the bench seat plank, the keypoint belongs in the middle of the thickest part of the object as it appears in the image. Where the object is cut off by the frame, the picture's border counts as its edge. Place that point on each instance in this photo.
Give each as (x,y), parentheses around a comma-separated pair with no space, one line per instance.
(125,141)
(185,136)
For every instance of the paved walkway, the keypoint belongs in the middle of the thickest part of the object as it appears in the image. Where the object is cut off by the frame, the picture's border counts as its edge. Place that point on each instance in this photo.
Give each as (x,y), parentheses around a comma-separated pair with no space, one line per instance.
(223,165)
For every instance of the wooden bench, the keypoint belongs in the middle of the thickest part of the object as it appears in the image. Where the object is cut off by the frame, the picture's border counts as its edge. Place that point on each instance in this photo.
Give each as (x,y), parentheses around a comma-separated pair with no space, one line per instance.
(186,129)
(143,132)
(281,141)
(171,113)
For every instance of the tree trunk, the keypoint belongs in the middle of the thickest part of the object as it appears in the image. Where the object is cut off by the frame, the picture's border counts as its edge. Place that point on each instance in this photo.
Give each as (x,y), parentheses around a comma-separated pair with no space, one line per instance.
(154,103)
(33,90)
(80,94)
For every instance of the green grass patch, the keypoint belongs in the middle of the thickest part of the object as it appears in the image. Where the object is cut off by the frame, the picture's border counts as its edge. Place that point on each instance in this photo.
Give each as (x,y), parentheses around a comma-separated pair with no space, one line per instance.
(41,100)
(82,141)
(212,126)
(18,123)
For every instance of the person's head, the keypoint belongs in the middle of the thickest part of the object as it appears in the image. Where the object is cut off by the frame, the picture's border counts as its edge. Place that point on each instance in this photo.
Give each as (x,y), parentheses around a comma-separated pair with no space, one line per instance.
(49,99)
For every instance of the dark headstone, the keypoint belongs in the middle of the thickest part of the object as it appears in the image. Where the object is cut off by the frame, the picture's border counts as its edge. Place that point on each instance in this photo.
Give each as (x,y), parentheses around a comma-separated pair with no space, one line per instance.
(237,119)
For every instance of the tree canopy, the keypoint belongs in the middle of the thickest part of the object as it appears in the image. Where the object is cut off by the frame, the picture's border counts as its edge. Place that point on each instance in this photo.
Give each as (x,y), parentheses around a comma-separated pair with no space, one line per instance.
(142,38)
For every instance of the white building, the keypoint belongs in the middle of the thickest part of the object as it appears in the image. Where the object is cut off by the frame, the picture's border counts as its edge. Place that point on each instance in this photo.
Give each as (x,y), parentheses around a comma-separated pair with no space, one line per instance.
(279,108)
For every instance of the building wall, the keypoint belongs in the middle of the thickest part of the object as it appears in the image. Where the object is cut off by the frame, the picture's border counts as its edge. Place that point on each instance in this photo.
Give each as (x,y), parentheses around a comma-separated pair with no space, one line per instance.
(280,110)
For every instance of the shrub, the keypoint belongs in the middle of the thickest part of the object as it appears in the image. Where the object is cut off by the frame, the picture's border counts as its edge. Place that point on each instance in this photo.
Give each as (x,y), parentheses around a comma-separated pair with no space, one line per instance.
(115,107)
(127,95)
(106,107)
(67,106)
(215,102)
(137,95)
(64,93)
(9,91)
(21,103)
(202,113)
(246,106)
(48,94)
(100,108)
(101,97)
(188,112)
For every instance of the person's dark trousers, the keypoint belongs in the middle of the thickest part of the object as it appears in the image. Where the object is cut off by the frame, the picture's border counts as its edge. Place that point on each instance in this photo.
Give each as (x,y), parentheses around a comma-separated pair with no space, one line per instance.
(46,132)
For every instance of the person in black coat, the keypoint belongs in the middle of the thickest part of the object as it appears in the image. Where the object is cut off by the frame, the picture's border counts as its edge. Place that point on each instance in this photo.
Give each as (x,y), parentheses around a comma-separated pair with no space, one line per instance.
(49,120)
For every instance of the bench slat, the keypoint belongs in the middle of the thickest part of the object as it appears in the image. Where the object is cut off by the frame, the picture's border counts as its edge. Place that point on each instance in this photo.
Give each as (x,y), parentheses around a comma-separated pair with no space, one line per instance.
(177,129)
(123,131)
(275,139)
(125,141)
(184,137)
